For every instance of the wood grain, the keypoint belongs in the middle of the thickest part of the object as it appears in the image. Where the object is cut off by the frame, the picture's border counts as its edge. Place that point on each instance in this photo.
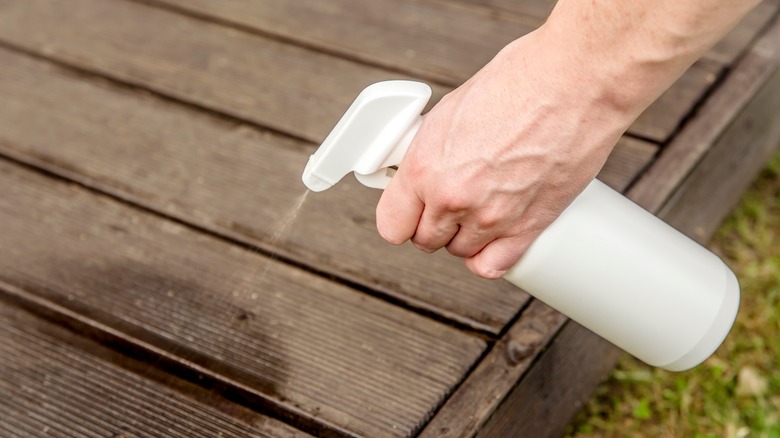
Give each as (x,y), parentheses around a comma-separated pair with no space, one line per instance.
(351,363)
(241,182)
(729,166)
(359,365)
(387,32)
(439,41)
(55,383)
(738,40)
(725,52)
(477,399)
(551,393)
(546,399)
(715,116)
(535,9)
(259,79)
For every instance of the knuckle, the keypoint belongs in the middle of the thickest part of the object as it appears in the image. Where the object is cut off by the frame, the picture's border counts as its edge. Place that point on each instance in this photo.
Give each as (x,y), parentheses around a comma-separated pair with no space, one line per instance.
(488,220)
(453,201)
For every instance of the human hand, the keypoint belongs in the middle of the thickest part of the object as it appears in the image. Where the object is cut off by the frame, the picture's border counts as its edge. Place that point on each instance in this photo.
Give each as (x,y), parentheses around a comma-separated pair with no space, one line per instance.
(499,158)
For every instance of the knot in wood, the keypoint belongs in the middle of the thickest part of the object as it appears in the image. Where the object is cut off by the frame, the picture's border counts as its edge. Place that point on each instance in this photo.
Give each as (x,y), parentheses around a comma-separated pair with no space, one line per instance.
(523,343)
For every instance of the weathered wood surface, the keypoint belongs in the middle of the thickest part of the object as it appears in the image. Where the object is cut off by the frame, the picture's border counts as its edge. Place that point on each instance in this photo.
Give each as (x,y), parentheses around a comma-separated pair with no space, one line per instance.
(723,175)
(551,393)
(439,41)
(240,94)
(535,10)
(749,78)
(54,383)
(548,396)
(477,399)
(240,182)
(725,52)
(448,43)
(735,43)
(738,152)
(350,362)
(253,77)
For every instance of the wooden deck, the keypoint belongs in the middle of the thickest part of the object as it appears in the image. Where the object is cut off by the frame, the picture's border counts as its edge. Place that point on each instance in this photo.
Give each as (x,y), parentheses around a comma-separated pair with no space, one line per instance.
(155,279)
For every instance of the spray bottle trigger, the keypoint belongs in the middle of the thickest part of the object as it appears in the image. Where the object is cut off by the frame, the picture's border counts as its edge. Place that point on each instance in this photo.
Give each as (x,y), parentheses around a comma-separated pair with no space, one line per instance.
(377,180)
(381,178)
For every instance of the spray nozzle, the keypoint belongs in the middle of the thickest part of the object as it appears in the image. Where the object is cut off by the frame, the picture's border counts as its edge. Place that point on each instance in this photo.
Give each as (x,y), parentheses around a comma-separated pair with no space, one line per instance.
(371,137)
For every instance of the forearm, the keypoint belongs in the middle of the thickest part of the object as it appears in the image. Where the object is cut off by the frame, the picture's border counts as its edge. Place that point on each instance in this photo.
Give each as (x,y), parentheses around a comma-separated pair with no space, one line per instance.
(499,158)
(631,51)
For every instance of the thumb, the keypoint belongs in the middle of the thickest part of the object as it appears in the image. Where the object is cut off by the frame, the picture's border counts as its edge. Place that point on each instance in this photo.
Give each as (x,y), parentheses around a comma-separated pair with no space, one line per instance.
(497,257)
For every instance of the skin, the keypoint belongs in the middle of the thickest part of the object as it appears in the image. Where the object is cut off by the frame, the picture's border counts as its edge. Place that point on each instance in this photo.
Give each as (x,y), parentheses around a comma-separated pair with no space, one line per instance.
(499,158)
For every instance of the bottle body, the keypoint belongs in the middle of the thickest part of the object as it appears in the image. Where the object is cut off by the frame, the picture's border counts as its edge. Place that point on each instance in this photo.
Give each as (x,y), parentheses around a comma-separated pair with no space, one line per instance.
(629,277)
(605,262)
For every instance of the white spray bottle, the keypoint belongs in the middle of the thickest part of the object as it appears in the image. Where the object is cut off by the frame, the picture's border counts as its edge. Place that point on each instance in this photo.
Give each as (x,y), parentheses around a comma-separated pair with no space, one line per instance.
(605,262)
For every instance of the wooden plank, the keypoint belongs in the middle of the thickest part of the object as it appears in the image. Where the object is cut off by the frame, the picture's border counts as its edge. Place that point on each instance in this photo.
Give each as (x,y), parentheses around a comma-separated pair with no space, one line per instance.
(725,52)
(55,383)
(466,412)
(415,37)
(548,397)
(629,158)
(662,119)
(729,166)
(735,43)
(260,79)
(240,182)
(317,350)
(385,33)
(535,9)
(557,386)
(709,123)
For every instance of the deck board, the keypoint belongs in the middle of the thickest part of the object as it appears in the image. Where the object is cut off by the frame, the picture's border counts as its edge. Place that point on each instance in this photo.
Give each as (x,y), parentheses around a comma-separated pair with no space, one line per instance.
(57,384)
(548,396)
(706,126)
(262,79)
(348,361)
(151,152)
(725,52)
(257,79)
(412,36)
(240,182)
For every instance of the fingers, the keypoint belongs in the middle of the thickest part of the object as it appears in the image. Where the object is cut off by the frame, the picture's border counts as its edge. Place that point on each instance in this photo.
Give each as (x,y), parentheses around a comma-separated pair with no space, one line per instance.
(398,212)
(434,231)
(401,216)
(468,242)
(498,257)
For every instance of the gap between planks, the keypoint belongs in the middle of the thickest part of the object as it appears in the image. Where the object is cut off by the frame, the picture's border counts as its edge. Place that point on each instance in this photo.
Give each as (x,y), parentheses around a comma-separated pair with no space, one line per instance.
(309,346)
(527,409)
(64,382)
(189,66)
(161,122)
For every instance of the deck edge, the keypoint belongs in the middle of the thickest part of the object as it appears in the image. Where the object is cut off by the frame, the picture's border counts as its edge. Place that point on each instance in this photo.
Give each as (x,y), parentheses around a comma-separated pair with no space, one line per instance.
(572,362)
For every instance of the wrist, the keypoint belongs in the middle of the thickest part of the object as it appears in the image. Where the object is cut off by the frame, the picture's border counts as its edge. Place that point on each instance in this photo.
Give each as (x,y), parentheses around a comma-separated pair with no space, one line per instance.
(620,79)
(623,63)
(631,52)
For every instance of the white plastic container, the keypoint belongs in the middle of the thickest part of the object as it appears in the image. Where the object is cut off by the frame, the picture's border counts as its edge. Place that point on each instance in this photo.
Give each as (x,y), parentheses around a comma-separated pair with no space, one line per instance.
(605,262)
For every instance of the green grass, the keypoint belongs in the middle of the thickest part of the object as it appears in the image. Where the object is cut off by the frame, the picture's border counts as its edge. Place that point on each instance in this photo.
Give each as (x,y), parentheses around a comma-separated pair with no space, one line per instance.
(735,393)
